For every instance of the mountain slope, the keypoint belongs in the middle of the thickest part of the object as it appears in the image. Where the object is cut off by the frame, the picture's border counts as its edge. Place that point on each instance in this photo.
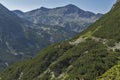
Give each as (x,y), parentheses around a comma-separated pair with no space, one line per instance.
(85,57)
(18,39)
(21,38)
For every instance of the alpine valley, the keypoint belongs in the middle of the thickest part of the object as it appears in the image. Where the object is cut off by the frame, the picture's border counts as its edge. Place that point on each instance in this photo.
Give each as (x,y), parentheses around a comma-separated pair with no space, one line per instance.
(92,55)
(23,35)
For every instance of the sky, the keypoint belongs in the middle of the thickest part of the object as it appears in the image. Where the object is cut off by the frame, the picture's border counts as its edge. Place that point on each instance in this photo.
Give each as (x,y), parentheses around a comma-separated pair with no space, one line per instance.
(96,6)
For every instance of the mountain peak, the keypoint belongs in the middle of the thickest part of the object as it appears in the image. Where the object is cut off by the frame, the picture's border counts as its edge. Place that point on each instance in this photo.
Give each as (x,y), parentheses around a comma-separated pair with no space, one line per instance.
(44,8)
(72,6)
(18,11)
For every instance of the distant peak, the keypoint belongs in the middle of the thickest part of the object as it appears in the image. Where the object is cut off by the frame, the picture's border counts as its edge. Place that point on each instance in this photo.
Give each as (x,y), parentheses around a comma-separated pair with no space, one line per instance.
(18,11)
(44,8)
(74,7)
(71,5)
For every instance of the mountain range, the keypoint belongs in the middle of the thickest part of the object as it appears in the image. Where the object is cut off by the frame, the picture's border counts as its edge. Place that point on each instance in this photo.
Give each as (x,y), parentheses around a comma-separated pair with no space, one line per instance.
(92,55)
(70,17)
(23,35)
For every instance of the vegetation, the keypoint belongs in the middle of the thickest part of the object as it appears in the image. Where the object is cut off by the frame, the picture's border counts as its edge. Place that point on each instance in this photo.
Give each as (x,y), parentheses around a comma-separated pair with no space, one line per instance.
(87,60)
(111,74)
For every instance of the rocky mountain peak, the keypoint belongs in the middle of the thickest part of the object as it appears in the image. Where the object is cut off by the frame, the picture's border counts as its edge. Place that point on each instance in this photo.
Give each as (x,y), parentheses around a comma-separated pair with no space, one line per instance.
(73,8)
(71,5)
(18,12)
(44,8)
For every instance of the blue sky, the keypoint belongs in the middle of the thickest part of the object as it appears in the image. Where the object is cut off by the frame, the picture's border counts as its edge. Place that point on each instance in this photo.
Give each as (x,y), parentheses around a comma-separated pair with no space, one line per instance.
(97,6)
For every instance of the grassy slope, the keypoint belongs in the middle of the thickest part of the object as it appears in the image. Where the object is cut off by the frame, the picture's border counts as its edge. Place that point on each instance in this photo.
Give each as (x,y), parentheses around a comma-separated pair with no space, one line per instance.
(88,59)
